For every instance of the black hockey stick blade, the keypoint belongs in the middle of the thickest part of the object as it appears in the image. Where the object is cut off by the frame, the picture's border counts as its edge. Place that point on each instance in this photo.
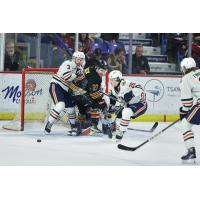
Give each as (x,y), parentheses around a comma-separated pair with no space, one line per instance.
(150,130)
(126,148)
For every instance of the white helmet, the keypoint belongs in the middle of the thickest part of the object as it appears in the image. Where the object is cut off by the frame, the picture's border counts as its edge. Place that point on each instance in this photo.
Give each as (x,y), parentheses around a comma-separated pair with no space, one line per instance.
(80,55)
(187,63)
(115,74)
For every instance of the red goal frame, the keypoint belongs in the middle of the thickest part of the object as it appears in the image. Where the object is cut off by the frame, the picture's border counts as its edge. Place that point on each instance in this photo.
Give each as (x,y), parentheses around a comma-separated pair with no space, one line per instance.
(24,72)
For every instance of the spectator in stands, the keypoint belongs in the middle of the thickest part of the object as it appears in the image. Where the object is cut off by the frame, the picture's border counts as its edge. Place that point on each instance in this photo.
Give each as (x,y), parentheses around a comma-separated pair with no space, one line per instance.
(140,63)
(69,39)
(111,40)
(95,37)
(117,61)
(177,42)
(110,37)
(96,59)
(196,48)
(12,59)
(58,56)
(86,43)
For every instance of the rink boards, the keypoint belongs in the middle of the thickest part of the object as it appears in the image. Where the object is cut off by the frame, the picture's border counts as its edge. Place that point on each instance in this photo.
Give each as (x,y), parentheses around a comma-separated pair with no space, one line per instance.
(162,93)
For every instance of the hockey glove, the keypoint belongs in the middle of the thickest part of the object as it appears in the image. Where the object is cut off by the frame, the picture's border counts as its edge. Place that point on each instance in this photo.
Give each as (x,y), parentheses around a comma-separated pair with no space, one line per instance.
(79,74)
(182,113)
(128,96)
(102,104)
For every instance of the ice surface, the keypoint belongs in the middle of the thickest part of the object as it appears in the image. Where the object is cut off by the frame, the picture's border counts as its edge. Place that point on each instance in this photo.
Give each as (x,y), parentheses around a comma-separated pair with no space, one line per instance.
(21,148)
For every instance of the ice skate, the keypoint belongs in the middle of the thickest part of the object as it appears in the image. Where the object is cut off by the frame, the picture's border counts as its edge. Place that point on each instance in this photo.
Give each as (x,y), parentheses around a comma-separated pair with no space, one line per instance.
(75,130)
(47,129)
(190,157)
(107,129)
(117,135)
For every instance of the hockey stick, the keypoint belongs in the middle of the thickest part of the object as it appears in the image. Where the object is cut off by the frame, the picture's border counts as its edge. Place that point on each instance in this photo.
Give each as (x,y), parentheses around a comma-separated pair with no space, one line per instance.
(149,131)
(126,148)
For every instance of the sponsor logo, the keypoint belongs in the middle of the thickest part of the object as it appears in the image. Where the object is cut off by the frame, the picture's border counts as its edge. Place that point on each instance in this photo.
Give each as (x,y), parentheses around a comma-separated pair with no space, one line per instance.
(173,91)
(14,93)
(154,90)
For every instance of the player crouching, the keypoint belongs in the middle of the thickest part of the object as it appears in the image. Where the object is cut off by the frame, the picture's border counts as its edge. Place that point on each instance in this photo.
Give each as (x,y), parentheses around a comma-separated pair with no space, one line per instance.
(190,110)
(93,105)
(130,100)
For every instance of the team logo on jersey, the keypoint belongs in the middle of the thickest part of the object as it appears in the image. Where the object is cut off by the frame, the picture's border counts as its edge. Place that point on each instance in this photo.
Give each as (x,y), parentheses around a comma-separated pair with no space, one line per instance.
(154,90)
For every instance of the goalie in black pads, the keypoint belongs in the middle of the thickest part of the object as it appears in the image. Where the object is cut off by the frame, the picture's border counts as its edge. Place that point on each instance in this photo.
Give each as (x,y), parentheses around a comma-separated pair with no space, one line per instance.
(93,102)
(130,96)
(190,110)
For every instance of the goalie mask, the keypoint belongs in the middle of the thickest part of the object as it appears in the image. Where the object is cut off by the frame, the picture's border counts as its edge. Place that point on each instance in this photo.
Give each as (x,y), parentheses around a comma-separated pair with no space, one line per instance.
(187,64)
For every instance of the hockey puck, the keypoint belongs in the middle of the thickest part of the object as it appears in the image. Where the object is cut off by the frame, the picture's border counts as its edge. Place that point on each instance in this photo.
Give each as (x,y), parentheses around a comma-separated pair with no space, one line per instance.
(39,140)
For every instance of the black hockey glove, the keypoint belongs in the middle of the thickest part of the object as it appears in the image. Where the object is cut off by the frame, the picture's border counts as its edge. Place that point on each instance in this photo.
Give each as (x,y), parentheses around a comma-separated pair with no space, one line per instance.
(128,96)
(102,104)
(182,113)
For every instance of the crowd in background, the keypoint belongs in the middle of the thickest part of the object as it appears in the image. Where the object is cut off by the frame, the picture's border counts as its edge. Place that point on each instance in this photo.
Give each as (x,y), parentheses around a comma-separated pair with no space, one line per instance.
(105,48)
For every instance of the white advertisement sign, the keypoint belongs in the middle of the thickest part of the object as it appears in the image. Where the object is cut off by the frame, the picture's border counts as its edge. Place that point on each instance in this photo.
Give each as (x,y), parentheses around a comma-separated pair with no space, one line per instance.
(36,96)
(163,93)
(10,88)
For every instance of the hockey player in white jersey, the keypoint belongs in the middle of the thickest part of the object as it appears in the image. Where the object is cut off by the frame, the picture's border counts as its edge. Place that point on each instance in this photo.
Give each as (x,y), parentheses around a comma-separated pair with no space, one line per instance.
(130,96)
(60,87)
(190,110)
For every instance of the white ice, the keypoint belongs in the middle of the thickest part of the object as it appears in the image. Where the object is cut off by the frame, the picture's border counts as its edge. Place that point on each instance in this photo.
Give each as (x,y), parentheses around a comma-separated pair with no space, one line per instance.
(21,148)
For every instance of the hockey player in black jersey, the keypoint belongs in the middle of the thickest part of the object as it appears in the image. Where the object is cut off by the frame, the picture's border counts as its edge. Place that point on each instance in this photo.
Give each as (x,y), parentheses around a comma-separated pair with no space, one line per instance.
(93,101)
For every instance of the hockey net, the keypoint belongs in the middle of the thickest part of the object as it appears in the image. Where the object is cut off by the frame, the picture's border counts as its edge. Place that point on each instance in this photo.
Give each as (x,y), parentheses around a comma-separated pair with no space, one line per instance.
(36,103)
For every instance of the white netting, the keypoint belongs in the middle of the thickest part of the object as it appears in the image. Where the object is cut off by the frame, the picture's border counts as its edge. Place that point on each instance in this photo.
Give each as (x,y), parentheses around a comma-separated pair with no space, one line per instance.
(37,100)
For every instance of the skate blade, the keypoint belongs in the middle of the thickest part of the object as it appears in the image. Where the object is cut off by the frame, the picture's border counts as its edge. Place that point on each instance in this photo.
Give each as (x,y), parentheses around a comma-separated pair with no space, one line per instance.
(72,133)
(189,162)
(47,133)
(114,139)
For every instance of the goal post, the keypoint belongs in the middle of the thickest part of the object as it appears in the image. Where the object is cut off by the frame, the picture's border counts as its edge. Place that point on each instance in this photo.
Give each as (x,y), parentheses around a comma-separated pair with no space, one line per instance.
(31,78)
